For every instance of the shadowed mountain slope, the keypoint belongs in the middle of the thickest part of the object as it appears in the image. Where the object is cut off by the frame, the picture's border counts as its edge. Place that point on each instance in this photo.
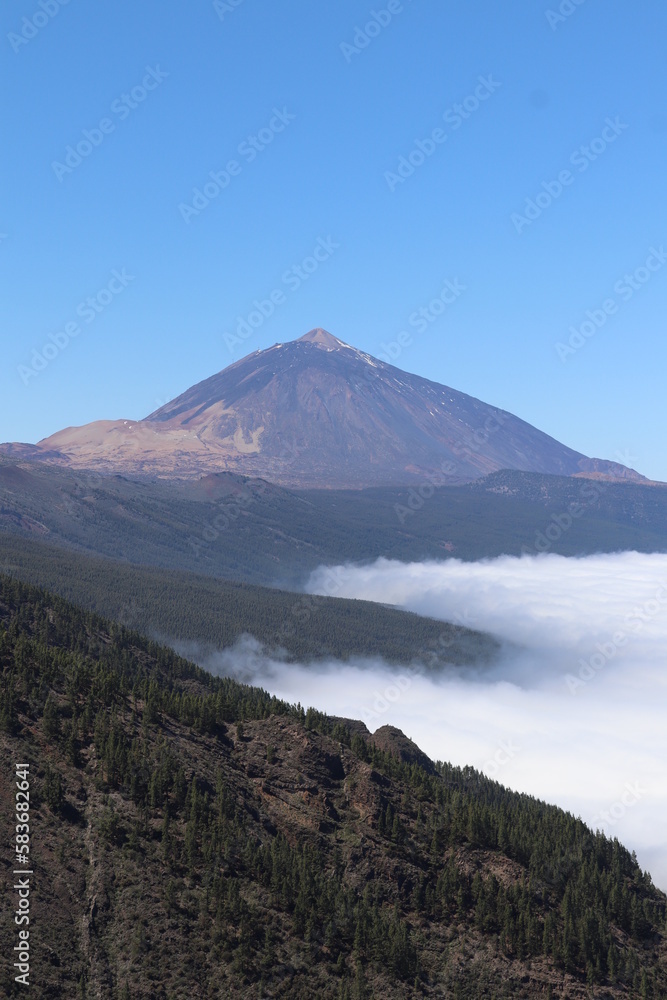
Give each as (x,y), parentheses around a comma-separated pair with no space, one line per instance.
(247,529)
(316,412)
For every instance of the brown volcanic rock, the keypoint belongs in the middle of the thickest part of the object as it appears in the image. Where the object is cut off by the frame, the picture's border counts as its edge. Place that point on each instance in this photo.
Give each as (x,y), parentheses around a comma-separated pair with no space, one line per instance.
(317,412)
(190,858)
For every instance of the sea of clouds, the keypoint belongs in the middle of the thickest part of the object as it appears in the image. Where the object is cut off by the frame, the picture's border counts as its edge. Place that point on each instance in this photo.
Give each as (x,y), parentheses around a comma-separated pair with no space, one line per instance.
(574,709)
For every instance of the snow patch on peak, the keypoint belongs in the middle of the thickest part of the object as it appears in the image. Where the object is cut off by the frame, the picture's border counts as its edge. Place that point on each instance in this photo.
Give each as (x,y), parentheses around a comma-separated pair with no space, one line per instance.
(322,338)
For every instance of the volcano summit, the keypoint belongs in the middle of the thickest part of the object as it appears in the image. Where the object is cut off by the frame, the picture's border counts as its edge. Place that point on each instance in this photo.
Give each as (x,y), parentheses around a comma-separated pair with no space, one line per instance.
(316,412)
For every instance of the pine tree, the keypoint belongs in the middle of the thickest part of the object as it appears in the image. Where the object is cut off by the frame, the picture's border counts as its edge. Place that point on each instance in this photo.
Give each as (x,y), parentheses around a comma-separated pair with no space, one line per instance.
(51,719)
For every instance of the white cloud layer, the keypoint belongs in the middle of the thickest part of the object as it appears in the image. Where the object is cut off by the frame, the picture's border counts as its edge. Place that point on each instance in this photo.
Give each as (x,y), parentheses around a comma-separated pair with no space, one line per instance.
(574,710)
(577,716)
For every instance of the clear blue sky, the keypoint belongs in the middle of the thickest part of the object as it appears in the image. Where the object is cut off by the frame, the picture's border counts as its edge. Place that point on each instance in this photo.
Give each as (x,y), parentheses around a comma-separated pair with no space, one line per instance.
(347,114)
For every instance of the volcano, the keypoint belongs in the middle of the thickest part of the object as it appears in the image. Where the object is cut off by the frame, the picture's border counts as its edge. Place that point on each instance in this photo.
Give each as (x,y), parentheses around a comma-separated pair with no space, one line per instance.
(317,412)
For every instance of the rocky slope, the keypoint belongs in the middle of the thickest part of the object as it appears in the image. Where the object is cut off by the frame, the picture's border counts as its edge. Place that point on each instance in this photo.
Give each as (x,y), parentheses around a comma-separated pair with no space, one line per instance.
(191,837)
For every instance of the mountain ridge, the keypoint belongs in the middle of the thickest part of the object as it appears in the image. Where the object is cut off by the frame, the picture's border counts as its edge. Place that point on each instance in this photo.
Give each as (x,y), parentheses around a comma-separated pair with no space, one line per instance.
(248,529)
(318,413)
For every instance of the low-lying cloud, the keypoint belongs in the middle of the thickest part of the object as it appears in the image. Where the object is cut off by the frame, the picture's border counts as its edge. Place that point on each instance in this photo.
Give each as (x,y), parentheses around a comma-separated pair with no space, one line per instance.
(577,716)
(573,711)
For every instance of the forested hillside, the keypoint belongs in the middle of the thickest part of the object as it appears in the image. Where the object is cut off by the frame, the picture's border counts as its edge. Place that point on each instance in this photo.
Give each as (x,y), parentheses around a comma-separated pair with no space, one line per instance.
(247,529)
(215,613)
(193,837)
